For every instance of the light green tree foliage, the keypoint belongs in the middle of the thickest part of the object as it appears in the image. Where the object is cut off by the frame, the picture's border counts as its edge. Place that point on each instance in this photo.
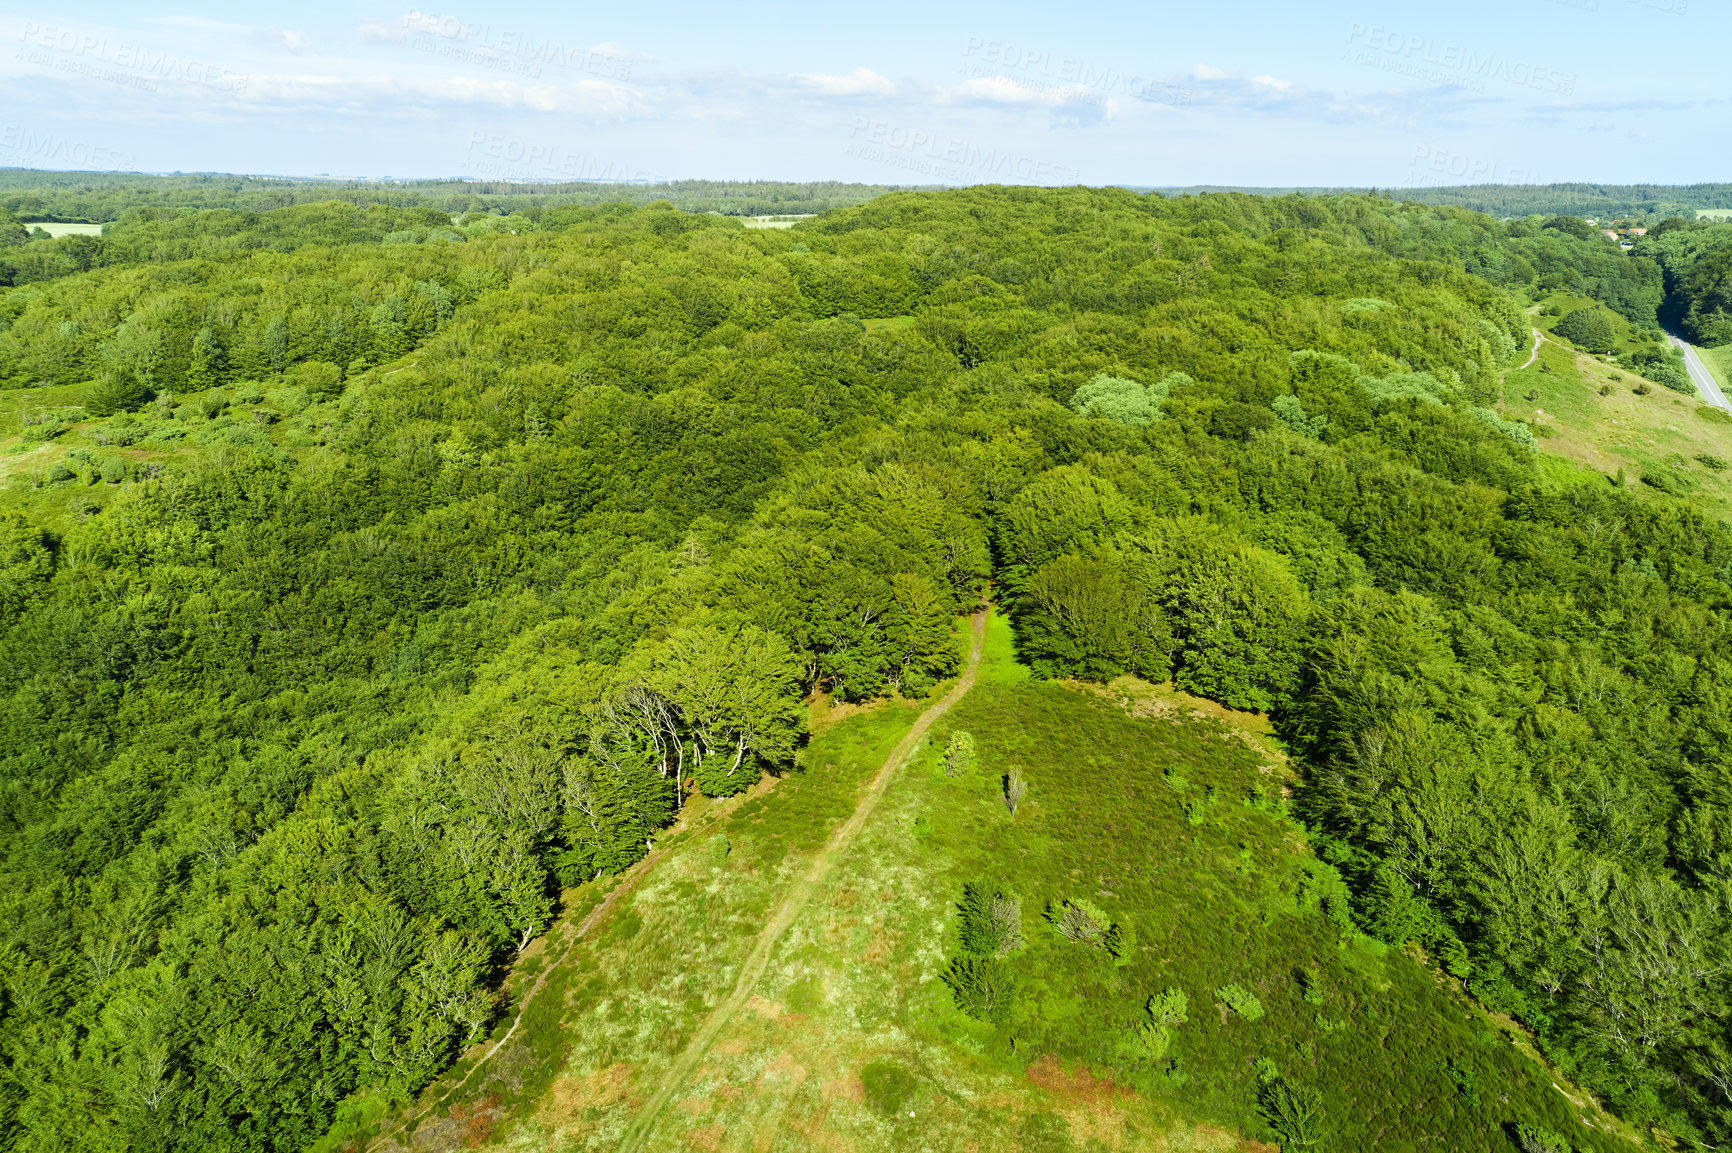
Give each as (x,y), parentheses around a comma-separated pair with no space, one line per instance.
(1126,401)
(1422,386)
(1290,411)
(1519,431)
(959,757)
(1242,1001)
(734,696)
(1162,1013)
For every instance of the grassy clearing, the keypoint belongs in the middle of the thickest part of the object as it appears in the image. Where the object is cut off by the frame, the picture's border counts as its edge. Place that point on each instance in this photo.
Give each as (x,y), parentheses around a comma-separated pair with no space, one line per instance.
(1588,412)
(623,1007)
(1165,818)
(58,230)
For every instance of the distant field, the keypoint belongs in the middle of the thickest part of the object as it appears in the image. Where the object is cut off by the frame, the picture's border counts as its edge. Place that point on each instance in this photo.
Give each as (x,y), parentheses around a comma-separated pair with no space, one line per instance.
(58,230)
(777,221)
(1714,214)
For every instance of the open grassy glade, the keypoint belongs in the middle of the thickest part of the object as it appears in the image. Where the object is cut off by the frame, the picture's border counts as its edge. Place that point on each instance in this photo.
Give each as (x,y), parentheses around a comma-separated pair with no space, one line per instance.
(1167,822)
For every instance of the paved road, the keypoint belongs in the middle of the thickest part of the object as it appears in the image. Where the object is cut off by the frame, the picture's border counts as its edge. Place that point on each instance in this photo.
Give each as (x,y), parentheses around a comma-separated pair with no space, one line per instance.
(1705,383)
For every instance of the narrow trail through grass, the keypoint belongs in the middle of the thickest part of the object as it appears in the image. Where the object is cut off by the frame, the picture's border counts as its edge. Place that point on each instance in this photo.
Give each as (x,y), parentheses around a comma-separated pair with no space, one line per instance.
(643,1125)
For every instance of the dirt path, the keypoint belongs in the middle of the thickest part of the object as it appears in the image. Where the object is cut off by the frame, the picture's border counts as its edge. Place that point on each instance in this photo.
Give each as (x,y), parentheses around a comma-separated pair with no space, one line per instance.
(643,1125)
(1535,353)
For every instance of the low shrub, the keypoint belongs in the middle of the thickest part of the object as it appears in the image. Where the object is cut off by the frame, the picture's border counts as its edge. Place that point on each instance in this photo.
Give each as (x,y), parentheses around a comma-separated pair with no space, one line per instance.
(1241,1001)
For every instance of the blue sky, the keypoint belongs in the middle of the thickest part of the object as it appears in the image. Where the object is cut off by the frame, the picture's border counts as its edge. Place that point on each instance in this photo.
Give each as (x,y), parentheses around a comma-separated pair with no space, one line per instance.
(1355,92)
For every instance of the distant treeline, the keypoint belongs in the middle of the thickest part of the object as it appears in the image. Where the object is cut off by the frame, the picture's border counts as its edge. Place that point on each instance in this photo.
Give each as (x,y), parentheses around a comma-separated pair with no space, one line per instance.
(1506,200)
(99,197)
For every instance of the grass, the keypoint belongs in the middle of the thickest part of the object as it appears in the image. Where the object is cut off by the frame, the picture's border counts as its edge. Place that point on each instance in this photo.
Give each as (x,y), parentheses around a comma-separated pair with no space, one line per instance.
(58,230)
(1719,362)
(1658,435)
(1166,819)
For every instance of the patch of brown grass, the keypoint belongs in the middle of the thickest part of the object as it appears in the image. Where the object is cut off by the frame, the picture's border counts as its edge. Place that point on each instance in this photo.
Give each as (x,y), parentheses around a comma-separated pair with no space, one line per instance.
(822,712)
(1075,1087)
(707,1138)
(569,1097)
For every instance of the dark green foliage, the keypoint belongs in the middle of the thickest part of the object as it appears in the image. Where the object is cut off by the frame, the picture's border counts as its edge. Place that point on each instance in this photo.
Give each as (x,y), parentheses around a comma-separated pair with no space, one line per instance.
(989,921)
(984,987)
(1538,1139)
(1294,1112)
(1464,1079)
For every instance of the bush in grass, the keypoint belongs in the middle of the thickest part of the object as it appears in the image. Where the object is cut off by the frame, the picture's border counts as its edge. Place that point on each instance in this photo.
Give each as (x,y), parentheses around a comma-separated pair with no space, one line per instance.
(983,987)
(1714,415)
(1587,328)
(1152,1035)
(1538,1139)
(1241,1001)
(1465,1080)
(320,379)
(959,754)
(990,921)
(1668,480)
(1295,1112)
(1121,941)
(1711,461)
(1078,920)
(1516,430)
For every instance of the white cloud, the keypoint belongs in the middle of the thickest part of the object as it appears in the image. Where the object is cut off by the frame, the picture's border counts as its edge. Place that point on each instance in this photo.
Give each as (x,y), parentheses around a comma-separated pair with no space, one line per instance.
(1210,72)
(860,82)
(1272,82)
(290,40)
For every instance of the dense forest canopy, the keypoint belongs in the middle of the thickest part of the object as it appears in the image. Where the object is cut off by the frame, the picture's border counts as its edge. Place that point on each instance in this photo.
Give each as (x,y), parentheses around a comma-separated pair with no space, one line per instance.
(390,584)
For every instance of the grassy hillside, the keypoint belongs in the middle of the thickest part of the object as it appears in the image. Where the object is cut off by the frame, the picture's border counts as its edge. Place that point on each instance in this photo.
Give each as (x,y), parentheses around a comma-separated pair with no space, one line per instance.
(1590,412)
(1162,810)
